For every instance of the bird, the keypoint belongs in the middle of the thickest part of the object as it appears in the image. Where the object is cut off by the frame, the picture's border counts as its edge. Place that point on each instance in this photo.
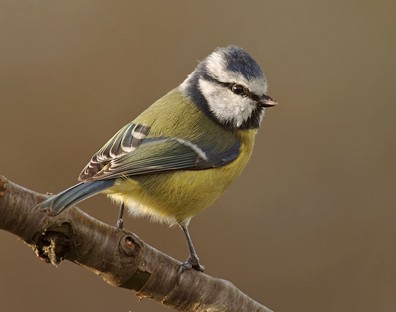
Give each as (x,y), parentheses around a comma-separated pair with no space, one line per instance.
(180,154)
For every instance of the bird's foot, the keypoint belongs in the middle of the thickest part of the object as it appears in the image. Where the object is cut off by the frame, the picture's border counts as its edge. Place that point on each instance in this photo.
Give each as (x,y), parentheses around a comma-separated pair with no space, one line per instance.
(192,263)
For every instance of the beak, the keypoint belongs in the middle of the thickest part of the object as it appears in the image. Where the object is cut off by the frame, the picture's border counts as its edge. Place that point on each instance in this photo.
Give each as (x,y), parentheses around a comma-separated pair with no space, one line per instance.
(267,101)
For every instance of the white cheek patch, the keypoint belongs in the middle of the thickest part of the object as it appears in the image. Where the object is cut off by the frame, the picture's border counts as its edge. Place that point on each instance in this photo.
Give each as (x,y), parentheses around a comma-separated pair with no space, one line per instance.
(225,105)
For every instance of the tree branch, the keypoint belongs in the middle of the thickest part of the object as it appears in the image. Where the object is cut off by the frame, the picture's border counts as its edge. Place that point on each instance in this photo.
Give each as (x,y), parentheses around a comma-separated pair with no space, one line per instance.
(121,258)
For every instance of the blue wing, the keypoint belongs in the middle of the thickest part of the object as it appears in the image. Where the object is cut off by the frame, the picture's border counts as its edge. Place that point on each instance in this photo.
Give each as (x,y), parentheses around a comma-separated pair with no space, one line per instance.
(130,152)
(165,154)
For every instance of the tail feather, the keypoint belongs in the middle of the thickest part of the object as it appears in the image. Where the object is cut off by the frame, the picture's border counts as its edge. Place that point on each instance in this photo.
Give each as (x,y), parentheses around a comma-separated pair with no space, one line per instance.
(73,195)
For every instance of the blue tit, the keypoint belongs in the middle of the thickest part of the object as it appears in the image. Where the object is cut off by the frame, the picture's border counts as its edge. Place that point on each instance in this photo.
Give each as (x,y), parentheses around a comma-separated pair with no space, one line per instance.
(177,157)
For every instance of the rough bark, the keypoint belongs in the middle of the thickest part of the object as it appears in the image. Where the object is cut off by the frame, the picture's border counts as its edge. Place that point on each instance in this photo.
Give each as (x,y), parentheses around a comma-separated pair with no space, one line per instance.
(121,258)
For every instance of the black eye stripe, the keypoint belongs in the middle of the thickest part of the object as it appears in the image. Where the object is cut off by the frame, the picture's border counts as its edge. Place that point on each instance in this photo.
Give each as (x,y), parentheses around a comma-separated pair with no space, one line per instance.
(229,85)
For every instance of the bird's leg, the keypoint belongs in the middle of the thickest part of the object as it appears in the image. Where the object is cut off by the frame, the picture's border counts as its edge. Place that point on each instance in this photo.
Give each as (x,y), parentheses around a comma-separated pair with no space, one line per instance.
(193,260)
(120,221)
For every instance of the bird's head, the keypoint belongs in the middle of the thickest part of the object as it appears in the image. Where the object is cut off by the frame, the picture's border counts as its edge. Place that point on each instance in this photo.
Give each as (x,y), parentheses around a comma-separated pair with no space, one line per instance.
(230,87)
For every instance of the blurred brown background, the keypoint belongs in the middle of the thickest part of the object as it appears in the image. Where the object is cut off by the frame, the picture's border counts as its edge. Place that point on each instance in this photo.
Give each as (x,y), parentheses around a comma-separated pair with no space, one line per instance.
(309,226)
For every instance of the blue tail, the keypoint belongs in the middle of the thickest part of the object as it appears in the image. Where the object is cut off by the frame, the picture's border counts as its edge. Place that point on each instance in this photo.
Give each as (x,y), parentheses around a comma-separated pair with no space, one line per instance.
(73,195)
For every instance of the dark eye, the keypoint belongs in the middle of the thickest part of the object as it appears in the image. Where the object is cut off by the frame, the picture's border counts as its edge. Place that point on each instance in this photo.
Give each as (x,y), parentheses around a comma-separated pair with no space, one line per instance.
(239,89)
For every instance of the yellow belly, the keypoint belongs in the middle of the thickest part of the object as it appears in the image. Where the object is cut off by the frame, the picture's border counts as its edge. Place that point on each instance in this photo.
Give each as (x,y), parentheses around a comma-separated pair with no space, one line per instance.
(177,196)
